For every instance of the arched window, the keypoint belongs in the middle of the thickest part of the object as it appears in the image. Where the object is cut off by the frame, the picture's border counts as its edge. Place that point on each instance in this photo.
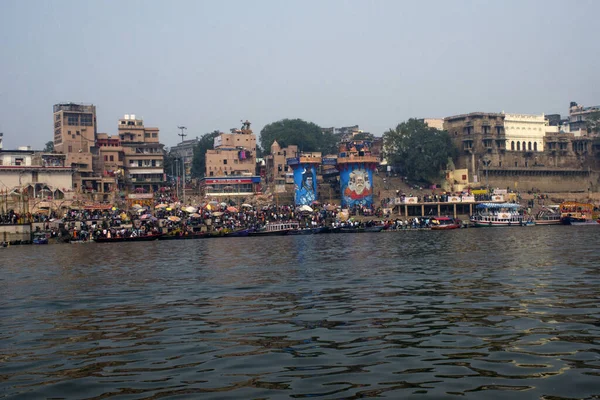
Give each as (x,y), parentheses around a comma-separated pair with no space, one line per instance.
(518,146)
(524,148)
(512,145)
(534,146)
(529,146)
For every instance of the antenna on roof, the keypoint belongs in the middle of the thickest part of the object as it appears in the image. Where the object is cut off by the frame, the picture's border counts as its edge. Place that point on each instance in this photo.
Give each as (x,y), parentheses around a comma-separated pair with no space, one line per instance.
(182,134)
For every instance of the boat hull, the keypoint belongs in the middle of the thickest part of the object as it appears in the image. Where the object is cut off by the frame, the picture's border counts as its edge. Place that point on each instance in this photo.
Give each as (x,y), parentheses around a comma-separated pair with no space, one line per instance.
(445,227)
(147,238)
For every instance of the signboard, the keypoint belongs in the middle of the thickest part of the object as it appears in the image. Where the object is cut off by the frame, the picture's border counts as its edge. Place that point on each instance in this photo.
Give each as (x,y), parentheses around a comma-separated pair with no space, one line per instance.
(140,196)
(232,180)
(217,142)
(397,200)
(468,199)
(498,197)
(453,199)
(500,191)
(411,200)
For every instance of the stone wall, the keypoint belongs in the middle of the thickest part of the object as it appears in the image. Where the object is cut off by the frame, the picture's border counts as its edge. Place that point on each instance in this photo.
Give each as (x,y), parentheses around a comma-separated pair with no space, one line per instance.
(15,233)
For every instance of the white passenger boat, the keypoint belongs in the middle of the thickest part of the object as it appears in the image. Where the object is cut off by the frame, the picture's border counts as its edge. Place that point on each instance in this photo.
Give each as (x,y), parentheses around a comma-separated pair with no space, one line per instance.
(500,214)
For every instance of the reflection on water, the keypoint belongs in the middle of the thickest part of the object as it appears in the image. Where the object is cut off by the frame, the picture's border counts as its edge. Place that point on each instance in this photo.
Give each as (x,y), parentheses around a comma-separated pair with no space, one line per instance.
(494,313)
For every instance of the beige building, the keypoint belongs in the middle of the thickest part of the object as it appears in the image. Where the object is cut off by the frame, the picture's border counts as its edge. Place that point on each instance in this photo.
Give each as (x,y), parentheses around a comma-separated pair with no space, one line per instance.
(142,154)
(42,176)
(276,169)
(234,153)
(437,123)
(75,136)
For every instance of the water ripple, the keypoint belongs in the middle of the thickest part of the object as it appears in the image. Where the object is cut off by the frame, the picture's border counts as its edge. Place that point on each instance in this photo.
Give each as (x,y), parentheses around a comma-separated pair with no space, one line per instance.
(470,313)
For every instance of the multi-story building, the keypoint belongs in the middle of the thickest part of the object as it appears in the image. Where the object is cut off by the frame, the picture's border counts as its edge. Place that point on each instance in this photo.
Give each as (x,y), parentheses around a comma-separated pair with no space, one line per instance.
(75,136)
(476,134)
(231,165)
(517,150)
(437,123)
(578,116)
(41,176)
(185,151)
(525,132)
(111,165)
(143,155)
(276,169)
(234,153)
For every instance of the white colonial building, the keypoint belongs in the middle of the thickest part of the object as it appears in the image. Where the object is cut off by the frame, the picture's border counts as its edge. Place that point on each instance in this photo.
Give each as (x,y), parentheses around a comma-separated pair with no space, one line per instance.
(40,175)
(525,132)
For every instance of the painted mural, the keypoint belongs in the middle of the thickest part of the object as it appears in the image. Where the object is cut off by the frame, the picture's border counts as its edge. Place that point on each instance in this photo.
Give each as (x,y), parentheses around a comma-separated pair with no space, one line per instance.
(305,181)
(357,188)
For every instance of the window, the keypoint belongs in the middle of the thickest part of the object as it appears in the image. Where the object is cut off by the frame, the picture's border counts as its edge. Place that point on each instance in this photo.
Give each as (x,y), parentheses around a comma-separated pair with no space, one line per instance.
(77,133)
(529,146)
(139,163)
(512,145)
(225,162)
(70,149)
(112,158)
(146,134)
(154,163)
(535,146)
(154,135)
(105,158)
(523,146)
(518,147)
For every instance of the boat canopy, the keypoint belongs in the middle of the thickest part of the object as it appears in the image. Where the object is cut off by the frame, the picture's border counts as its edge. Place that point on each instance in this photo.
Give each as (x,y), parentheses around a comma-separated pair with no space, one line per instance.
(513,206)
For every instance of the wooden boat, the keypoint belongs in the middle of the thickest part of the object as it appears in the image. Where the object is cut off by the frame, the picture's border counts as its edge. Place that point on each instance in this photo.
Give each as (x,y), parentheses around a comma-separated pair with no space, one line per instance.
(40,238)
(309,231)
(547,216)
(275,229)
(145,238)
(239,233)
(443,223)
(198,235)
(578,214)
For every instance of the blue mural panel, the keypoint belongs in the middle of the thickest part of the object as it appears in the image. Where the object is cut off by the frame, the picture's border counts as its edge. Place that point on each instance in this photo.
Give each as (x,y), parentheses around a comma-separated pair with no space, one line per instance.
(357,186)
(305,181)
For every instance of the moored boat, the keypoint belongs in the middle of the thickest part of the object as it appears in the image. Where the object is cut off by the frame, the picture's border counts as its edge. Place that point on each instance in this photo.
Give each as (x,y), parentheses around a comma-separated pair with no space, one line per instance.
(179,236)
(547,216)
(116,239)
(498,214)
(275,229)
(443,223)
(577,214)
(40,238)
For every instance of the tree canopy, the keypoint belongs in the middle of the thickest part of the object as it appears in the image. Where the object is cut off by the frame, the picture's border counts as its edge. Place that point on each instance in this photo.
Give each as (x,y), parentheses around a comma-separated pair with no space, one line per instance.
(206,142)
(307,136)
(593,122)
(49,147)
(420,152)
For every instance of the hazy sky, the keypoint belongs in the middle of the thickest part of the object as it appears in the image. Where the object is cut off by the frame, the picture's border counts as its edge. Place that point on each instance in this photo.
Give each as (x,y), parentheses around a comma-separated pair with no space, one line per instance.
(209,64)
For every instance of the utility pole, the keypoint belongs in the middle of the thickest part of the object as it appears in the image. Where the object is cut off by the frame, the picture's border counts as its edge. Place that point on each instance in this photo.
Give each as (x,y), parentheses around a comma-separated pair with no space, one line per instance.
(183,128)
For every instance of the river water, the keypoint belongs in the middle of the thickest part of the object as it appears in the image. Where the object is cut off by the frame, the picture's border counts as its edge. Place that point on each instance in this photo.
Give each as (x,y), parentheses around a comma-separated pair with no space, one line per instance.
(502,313)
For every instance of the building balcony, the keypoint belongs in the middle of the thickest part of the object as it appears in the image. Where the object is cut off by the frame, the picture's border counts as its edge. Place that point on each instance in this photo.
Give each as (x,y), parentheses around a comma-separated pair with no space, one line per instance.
(357,159)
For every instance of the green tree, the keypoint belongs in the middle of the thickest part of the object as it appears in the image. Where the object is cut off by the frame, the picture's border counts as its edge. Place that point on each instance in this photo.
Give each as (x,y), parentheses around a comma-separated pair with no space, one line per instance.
(205,143)
(49,147)
(307,136)
(420,152)
(593,122)
(364,136)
